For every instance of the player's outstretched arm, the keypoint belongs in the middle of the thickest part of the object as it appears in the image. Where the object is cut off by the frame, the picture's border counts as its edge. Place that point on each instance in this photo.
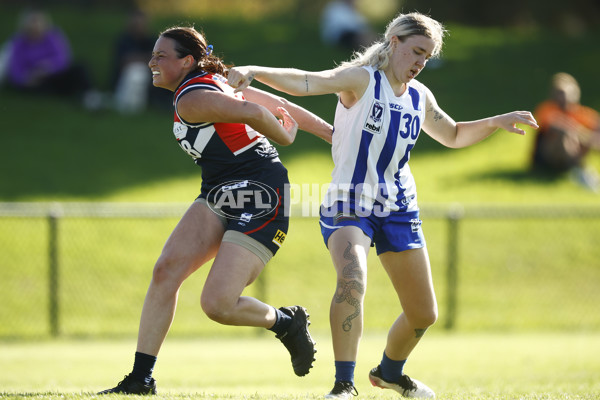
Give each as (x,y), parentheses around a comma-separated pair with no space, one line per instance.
(302,83)
(471,132)
(453,134)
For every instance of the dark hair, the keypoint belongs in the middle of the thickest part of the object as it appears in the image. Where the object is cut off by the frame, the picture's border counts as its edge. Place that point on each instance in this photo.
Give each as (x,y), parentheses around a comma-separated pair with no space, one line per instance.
(188,41)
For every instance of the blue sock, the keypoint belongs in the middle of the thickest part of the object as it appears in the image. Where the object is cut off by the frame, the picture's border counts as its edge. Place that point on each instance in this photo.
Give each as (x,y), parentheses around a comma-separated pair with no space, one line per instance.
(143,367)
(282,323)
(344,371)
(391,370)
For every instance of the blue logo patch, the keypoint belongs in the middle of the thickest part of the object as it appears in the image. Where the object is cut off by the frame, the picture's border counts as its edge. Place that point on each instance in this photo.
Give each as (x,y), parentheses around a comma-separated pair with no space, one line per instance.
(374,122)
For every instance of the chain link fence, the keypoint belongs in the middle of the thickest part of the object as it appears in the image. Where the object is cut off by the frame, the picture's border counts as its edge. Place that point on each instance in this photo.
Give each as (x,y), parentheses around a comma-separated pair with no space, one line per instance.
(82,269)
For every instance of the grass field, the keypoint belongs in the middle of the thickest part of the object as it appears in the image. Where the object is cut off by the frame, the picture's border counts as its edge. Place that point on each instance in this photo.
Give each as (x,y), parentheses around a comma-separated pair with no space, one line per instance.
(459,367)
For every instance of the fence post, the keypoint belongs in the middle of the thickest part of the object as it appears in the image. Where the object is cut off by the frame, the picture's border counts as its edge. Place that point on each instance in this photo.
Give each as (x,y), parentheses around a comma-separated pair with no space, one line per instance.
(455,213)
(53,272)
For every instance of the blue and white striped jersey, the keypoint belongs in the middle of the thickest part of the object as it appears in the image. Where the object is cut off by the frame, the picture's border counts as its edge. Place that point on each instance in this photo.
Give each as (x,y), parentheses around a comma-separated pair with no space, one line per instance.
(371,147)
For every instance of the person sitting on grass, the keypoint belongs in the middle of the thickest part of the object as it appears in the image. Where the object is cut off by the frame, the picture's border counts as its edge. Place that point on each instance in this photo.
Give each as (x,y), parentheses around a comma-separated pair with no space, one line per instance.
(568,131)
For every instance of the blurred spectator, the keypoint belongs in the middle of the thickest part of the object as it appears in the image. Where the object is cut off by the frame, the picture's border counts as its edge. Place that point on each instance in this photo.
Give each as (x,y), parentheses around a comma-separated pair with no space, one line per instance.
(568,131)
(132,81)
(4,53)
(39,60)
(343,25)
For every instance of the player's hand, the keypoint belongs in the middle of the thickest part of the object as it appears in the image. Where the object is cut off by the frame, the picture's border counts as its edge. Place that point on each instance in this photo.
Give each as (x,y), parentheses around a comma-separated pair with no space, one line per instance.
(510,120)
(239,78)
(288,123)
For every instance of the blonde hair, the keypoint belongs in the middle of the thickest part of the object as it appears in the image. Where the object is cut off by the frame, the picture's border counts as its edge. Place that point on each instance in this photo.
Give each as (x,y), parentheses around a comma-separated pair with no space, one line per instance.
(403,26)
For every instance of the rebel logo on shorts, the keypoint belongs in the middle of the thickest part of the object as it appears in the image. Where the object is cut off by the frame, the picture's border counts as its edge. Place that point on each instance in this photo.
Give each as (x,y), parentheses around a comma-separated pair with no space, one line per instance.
(242,199)
(415,224)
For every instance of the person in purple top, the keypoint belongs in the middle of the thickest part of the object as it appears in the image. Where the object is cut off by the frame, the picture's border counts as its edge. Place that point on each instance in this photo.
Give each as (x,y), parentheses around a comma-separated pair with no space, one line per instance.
(40,59)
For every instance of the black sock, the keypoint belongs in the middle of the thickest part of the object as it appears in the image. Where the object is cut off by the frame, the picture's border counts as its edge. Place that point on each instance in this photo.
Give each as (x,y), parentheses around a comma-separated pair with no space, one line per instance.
(143,367)
(282,323)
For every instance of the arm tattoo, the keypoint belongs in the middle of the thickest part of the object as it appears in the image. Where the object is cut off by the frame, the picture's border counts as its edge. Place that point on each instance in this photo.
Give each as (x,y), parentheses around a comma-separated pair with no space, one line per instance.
(352,281)
(306,82)
(436,114)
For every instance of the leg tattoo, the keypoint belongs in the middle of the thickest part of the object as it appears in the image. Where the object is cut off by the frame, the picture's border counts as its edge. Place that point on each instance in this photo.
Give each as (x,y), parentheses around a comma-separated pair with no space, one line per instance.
(352,281)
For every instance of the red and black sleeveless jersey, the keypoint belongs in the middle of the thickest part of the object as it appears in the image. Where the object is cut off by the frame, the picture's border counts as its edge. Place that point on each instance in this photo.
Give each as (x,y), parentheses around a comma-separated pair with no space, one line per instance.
(224,150)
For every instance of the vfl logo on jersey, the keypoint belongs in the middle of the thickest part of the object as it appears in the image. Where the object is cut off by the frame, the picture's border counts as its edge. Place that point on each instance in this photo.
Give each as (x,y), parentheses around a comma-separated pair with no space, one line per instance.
(279,238)
(180,130)
(374,122)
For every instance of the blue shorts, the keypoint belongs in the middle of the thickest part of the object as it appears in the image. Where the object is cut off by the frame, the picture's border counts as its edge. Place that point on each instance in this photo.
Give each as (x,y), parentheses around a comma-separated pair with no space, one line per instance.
(395,231)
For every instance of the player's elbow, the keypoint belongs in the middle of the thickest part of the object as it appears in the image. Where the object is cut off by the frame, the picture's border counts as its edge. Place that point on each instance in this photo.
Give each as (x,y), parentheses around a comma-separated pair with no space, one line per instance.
(285,141)
(255,115)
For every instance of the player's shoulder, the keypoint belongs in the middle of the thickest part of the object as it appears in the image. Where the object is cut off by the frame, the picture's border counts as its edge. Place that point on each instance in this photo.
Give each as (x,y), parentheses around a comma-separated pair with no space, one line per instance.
(202,80)
(418,85)
(352,72)
(423,90)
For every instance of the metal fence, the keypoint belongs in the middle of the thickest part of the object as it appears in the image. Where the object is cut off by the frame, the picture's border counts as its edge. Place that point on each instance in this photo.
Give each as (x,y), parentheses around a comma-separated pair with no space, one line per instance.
(81,269)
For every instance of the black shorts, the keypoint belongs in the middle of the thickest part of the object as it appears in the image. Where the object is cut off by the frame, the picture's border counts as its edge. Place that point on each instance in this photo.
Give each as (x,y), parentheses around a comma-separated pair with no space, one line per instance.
(252,209)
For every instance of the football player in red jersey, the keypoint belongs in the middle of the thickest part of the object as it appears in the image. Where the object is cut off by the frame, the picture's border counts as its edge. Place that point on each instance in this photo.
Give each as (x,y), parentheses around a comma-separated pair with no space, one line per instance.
(239,218)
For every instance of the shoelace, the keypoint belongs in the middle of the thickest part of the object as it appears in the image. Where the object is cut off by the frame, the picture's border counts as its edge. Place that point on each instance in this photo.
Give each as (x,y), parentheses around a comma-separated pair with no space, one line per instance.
(406,383)
(344,387)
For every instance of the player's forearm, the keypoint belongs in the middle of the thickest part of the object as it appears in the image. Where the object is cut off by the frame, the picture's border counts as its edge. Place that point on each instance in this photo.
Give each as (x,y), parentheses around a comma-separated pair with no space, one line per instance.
(471,132)
(468,133)
(309,122)
(289,80)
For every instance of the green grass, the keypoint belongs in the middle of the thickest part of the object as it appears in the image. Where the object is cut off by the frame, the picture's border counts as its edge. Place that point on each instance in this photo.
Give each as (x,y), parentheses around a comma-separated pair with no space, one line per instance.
(543,283)
(470,366)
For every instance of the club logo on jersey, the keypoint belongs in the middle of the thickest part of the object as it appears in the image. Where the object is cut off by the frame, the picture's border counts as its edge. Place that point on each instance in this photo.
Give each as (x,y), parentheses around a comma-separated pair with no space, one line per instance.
(279,238)
(374,121)
(243,200)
